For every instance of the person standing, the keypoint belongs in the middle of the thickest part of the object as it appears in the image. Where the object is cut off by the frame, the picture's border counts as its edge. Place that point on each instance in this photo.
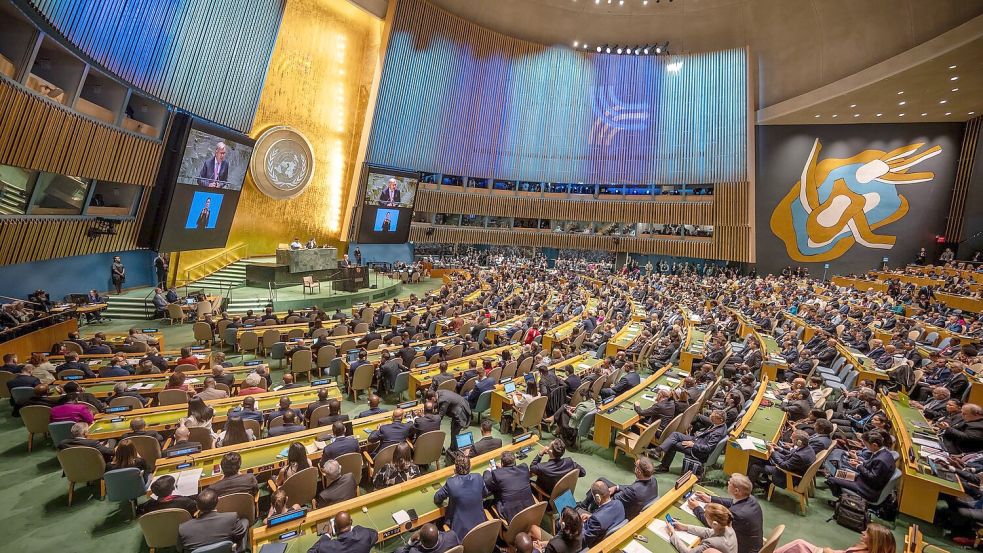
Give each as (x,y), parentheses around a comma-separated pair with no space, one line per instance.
(160,267)
(118,274)
(358,256)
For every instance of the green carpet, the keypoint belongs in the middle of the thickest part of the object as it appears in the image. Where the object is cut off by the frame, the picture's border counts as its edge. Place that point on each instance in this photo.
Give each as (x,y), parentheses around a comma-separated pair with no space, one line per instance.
(37,516)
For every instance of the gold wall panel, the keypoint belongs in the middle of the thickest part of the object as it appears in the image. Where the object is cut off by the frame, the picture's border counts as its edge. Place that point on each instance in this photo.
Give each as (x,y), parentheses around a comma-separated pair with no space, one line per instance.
(318,83)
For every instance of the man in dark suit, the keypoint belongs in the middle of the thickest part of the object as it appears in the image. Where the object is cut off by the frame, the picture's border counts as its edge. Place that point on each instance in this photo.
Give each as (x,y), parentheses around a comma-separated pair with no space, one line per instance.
(873,474)
(282,409)
(334,414)
(164,498)
(211,526)
(441,377)
(662,411)
(699,446)
(608,514)
(138,427)
(796,405)
(487,442)
(10,363)
(625,383)
(556,467)
(432,350)
(645,488)
(464,493)
(340,444)
(322,399)
(72,362)
(482,385)
(80,437)
(391,434)
(373,409)
(23,380)
(428,539)
(248,411)
(290,425)
(748,521)
(796,461)
(214,173)
(338,487)
(232,481)
(427,422)
(390,195)
(451,404)
(510,486)
(965,436)
(346,538)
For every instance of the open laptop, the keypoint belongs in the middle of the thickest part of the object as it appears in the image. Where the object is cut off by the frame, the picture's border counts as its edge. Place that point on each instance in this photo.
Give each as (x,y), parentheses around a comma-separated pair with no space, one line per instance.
(565,500)
(464,439)
(509,387)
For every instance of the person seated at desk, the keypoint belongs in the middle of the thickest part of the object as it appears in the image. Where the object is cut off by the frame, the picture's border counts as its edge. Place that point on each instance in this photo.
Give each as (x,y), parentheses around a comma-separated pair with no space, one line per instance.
(464,493)
(548,473)
(93,298)
(232,480)
(311,244)
(483,384)
(235,432)
(719,535)
(338,487)
(429,421)
(155,357)
(10,363)
(334,414)
(283,407)
(322,400)
(389,369)
(966,435)
(210,526)
(138,427)
(247,410)
(520,400)
(199,415)
(392,433)
(134,335)
(72,363)
(145,367)
(187,358)
(634,496)
(608,514)
(339,443)
(296,461)
(567,540)
(869,476)
(290,425)
(486,443)
(795,460)
(441,377)
(433,349)
(346,538)
(117,367)
(120,389)
(171,295)
(251,385)
(374,408)
(934,407)
(210,391)
(160,303)
(796,405)
(85,397)
(625,383)
(25,379)
(400,469)
(269,315)
(428,539)
(296,244)
(510,485)
(72,409)
(279,504)
(126,456)
(97,345)
(698,446)
(661,411)
(80,437)
(874,539)
(42,396)
(163,498)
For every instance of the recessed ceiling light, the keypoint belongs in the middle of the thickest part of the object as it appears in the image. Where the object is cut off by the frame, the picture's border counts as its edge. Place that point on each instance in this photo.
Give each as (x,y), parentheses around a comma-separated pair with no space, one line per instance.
(948,113)
(856,115)
(576,43)
(900,92)
(645,2)
(953,78)
(943,101)
(972,112)
(900,115)
(955,89)
(902,103)
(817,115)
(835,115)
(853,105)
(879,114)
(952,67)
(621,2)
(924,114)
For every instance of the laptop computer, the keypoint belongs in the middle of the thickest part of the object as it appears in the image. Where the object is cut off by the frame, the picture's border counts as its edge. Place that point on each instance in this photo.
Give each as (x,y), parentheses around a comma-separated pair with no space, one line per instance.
(509,387)
(464,439)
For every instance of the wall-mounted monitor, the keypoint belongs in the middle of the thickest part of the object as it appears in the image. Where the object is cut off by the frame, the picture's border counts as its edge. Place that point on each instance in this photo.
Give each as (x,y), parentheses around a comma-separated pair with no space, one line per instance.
(388,205)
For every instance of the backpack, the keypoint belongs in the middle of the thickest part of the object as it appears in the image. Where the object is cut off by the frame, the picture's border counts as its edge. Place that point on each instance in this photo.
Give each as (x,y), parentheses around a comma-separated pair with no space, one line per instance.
(851,511)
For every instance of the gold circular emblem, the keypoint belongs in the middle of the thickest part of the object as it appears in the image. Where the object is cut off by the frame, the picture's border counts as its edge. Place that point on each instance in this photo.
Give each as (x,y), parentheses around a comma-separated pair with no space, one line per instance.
(282,163)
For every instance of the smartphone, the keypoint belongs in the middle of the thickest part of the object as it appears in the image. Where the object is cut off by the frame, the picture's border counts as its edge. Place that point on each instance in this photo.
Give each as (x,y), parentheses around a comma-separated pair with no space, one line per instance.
(669,519)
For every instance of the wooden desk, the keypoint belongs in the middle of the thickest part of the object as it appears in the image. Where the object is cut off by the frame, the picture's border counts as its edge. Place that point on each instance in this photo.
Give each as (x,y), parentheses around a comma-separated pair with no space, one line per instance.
(103,387)
(619,414)
(40,339)
(920,488)
(624,337)
(420,377)
(499,399)
(758,422)
(379,506)
(860,284)
(667,503)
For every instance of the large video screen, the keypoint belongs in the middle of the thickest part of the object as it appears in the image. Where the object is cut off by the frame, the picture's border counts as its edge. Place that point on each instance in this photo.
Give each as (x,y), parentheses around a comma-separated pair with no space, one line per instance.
(200,182)
(388,206)
(214,162)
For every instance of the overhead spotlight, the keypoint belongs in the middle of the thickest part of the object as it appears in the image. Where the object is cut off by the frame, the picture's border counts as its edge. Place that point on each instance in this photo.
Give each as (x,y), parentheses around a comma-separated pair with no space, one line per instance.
(598,49)
(619,50)
(646,51)
(658,49)
(576,43)
(607,49)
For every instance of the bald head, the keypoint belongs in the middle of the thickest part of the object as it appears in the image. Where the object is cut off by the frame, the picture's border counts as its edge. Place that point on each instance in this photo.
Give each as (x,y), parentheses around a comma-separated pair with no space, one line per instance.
(429,535)
(342,522)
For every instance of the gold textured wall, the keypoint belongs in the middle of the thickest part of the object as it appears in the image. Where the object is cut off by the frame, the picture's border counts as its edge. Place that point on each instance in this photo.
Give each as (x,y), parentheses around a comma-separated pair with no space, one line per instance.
(318,82)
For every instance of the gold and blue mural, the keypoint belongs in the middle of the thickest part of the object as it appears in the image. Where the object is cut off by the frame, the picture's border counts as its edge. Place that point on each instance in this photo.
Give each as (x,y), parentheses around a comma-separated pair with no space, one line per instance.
(841,202)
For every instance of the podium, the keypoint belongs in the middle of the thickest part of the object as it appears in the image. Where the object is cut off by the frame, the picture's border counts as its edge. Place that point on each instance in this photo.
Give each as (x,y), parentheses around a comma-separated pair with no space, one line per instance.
(351,279)
(306,261)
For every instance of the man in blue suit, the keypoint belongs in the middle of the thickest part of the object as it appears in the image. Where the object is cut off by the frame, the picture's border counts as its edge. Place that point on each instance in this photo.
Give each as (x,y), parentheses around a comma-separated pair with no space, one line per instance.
(608,514)
(625,383)
(214,173)
(464,492)
(340,445)
(391,434)
(346,538)
(510,485)
(482,385)
(698,447)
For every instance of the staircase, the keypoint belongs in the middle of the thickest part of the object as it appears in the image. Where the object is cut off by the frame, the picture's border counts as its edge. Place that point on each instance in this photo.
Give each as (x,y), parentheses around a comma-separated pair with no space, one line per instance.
(239,303)
(124,307)
(220,280)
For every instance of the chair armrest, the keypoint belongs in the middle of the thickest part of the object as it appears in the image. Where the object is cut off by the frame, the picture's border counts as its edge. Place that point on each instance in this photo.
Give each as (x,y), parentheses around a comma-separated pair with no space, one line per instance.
(539,491)
(273,487)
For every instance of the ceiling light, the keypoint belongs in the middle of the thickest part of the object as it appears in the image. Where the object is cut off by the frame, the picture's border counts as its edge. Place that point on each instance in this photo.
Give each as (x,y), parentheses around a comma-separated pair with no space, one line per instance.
(619,50)
(900,115)
(607,50)
(948,113)
(972,112)
(902,103)
(645,2)
(879,114)
(817,115)
(924,114)
(955,89)
(658,49)
(856,115)
(953,78)
(853,105)
(952,67)
(599,49)
(576,43)
(645,51)
(943,101)
(835,115)
(621,2)
(900,92)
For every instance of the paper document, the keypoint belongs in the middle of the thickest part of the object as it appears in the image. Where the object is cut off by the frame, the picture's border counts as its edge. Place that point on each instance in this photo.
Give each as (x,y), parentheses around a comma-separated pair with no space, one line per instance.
(660,528)
(401,517)
(672,380)
(634,546)
(185,482)
(685,507)
(747,444)
(771,396)
(924,442)
(192,381)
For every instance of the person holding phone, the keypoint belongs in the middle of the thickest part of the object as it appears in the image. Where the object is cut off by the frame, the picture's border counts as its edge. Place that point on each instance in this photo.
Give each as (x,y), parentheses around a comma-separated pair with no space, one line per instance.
(344,537)
(720,535)
(608,514)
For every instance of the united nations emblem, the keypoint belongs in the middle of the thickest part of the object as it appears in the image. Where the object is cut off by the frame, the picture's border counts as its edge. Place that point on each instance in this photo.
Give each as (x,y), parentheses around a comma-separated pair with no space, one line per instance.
(283,163)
